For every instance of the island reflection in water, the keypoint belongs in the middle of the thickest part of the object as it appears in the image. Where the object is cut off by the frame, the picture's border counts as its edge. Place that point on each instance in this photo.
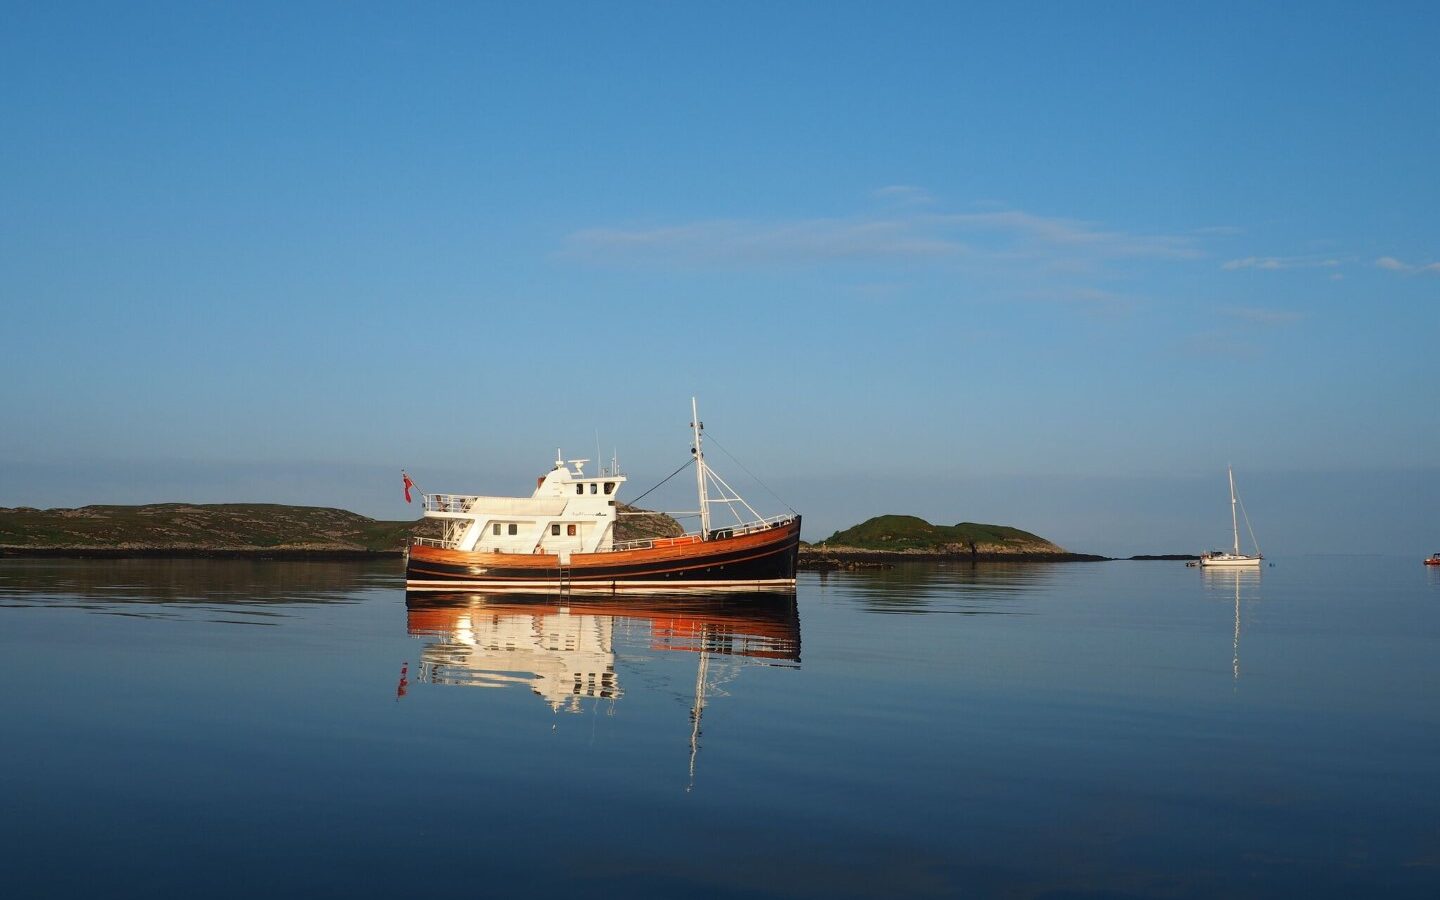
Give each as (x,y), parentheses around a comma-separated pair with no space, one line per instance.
(166,588)
(957,587)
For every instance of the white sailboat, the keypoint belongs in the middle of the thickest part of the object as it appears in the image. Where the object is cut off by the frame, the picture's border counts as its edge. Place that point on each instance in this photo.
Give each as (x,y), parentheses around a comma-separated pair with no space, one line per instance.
(1234,557)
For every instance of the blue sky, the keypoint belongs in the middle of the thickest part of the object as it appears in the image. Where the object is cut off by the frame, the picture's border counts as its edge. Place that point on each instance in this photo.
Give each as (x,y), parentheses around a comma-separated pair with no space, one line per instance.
(1053,265)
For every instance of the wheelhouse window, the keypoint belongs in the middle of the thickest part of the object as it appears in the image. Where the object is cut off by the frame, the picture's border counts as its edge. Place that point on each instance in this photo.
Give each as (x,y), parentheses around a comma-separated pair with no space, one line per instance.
(497,527)
(514,529)
(570,530)
(609,487)
(579,488)
(555,529)
(594,488)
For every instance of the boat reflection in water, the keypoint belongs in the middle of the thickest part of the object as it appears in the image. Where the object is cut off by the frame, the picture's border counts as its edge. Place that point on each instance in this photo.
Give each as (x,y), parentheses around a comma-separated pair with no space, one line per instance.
(1240,582)
(563,647)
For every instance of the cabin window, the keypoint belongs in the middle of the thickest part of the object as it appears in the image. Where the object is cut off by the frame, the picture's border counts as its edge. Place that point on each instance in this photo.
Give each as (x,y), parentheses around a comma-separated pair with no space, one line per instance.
(594,488)
(555,529)
(514,529)
(579,488)
(570,530)
(497,527)
(609,487)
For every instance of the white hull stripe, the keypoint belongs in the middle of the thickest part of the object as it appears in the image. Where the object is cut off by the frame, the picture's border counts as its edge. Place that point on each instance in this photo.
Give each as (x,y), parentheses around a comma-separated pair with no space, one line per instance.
(603,587)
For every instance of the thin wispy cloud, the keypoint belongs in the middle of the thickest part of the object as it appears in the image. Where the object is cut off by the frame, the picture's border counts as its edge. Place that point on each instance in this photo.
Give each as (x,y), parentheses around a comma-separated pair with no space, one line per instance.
(1275,263)
(1092,300)
(1392,264)
(1261,316)
(1073,234)
(903,195)
(907,234)
(1219,230)
(723,242)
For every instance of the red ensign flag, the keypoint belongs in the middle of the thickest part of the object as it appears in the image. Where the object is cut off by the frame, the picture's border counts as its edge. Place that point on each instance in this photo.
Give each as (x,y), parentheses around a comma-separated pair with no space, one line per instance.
(408,485)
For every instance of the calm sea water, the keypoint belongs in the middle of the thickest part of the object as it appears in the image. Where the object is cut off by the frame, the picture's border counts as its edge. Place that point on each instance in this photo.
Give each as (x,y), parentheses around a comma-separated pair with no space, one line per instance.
(1126,729)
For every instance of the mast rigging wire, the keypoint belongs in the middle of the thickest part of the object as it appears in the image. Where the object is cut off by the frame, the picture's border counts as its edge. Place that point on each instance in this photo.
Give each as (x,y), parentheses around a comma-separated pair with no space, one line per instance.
(1253,542)
(666,478)
(737,462)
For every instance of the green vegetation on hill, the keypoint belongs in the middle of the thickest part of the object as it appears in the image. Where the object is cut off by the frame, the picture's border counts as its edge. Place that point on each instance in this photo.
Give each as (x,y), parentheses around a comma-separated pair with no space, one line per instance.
(902,533)
(201,526)
(244,527)
(635,524)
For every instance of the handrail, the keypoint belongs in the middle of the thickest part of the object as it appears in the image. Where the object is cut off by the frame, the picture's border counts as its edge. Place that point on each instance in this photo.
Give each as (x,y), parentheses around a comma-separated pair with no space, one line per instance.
(449,502)
(735,531)
(639,544)
(473,505)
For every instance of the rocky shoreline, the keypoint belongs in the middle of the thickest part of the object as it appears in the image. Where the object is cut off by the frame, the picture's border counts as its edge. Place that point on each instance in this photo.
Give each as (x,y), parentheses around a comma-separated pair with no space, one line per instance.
(274,553)
(810,559)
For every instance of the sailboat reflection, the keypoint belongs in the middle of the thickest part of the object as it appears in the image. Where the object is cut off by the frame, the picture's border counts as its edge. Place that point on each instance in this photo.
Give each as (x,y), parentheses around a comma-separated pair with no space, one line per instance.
(1238,581)
(564,647)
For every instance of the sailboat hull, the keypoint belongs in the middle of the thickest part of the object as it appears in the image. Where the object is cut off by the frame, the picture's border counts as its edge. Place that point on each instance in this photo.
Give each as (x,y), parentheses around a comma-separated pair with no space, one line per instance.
(1229,561)
(760,560)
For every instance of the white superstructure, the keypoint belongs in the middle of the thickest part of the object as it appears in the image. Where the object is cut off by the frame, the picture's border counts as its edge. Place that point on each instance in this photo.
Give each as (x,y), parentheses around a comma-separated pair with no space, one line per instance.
(570,512)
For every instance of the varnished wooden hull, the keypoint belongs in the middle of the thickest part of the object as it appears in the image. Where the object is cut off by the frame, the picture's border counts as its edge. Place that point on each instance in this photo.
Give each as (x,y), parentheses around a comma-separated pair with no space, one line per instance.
(763,560)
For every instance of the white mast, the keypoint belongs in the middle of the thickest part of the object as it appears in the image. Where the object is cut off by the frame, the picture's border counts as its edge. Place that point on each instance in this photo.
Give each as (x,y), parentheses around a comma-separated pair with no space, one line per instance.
(699,708)
(1234,524)
(700,471)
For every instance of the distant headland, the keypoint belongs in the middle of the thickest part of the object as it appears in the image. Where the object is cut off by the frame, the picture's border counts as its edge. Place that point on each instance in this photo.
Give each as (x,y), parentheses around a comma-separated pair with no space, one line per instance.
(236,530)
(257,530)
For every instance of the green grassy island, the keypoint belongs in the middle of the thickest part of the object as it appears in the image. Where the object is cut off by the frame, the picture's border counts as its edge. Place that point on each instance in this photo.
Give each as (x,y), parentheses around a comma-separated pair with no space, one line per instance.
(898,538)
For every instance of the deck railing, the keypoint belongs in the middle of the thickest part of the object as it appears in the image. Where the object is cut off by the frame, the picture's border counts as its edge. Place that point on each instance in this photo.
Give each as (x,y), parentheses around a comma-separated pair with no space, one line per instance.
(733,531)
(642,543)
(482,548)
(456,503)
(469,504)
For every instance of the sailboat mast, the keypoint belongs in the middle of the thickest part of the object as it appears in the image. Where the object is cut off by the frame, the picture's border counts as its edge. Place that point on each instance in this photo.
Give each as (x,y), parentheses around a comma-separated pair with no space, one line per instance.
(700,478)
(1234,523)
